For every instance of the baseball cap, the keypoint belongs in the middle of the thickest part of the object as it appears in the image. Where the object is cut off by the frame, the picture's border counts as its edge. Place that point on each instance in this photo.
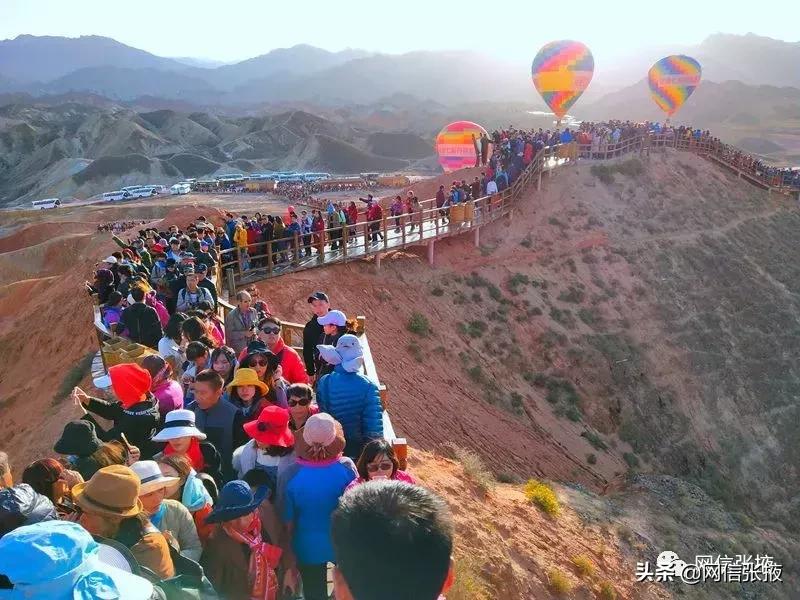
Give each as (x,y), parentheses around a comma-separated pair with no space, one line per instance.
(201,268)
(334,317)
(112,260)
(318,296)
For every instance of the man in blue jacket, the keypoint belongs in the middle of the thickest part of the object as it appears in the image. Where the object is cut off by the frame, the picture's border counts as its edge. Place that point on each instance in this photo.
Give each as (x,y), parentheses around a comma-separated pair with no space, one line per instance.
(348,396)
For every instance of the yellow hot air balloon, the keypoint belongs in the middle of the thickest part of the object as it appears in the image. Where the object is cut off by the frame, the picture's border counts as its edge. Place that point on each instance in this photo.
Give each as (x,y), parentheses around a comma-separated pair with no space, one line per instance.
(561,72)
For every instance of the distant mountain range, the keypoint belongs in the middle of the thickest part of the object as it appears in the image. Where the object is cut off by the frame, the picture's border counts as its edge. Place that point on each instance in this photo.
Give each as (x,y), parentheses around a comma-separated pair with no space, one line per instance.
(100,65)
(76,149)
(103,114)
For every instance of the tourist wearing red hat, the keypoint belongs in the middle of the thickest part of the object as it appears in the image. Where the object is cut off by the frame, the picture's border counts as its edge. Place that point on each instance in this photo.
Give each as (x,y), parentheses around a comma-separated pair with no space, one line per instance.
(271,445)
(135,416)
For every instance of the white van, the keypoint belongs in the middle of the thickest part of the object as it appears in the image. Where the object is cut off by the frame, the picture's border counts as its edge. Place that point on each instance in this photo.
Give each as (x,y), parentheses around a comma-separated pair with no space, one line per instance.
(118,195)
(46,203)
(180,189)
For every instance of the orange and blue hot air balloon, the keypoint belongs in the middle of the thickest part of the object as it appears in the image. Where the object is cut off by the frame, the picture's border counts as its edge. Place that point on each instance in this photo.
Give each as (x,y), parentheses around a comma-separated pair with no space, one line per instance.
(458,145)
(561,72)
(672,80)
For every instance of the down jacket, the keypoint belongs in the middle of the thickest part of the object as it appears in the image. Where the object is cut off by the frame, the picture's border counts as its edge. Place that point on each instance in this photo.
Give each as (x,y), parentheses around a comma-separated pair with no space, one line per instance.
(20,505)
(355,402)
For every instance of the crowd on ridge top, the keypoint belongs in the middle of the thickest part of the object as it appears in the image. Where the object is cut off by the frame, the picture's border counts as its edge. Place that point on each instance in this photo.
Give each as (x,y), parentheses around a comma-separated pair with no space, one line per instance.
(223,463)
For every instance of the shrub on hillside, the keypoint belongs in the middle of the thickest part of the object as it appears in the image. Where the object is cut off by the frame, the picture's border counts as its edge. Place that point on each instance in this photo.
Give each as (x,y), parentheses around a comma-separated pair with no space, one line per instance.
(416,351)
(583,565)
(559,582)
(469,582)
(573,295)
(607,591)
(516,281)
(473,466)
(542,495)
(473,329)
(418,324)
(594,439)
(504,477)
(631,168)
(604,173)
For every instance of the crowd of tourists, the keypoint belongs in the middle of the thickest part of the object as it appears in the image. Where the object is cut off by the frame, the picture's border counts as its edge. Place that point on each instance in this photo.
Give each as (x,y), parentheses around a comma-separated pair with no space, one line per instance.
(224,463)
(119,226)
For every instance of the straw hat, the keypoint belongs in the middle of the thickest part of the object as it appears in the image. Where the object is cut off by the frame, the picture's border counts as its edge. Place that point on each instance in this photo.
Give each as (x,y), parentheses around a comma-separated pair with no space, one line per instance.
(150,477)
(112,491)
(246,376)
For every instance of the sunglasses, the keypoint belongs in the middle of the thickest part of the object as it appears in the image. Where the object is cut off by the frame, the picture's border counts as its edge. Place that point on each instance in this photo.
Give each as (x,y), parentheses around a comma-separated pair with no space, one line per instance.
(300,401)
(260,363)
(272,330)
(384,466)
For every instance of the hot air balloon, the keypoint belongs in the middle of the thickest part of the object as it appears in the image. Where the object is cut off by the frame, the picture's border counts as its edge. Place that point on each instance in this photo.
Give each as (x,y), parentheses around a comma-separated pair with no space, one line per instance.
(672,80)
(561,72)
(458,145)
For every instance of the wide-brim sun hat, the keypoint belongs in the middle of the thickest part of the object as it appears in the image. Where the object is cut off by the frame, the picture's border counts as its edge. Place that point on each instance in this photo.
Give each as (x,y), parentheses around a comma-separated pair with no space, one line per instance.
(60,560)
(150,477)
(271,428)
(112,491)
(247,376)
(235,500)
(177,424)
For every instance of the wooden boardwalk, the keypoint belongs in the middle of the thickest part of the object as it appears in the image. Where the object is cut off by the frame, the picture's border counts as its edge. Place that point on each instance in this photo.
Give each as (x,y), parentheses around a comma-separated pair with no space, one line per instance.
(373,239)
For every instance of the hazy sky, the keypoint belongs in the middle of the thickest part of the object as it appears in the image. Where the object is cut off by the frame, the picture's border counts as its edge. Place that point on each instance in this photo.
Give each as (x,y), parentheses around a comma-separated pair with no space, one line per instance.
(514,29)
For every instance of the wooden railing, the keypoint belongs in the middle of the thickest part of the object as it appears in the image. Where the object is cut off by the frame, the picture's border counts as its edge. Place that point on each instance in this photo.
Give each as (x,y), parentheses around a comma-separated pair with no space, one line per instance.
(366,238)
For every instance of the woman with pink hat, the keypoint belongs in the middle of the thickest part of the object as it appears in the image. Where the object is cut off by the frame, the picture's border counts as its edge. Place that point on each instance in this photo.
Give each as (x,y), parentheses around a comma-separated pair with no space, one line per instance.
(311,495)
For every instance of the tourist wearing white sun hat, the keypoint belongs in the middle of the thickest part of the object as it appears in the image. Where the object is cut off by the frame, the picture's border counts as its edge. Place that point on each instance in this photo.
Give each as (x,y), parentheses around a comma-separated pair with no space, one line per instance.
(183,437)
(171,517)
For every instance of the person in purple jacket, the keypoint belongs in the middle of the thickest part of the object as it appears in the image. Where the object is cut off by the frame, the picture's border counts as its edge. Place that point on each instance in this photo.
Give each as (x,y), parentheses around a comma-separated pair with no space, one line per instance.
(167,391)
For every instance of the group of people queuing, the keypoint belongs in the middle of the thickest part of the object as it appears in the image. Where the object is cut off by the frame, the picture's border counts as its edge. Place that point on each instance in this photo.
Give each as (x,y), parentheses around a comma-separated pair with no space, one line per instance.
(226,464)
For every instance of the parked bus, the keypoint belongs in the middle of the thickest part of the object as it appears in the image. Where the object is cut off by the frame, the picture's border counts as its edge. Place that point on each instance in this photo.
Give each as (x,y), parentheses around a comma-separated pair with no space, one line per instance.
(180,188)
(316,176)
(142,192)
(46,203)
(117,195)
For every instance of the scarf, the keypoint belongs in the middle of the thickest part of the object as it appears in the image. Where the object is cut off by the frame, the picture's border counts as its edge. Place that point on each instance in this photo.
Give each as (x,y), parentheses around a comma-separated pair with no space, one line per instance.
(264,560)
(194,454)
(156,518)
(195,496)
